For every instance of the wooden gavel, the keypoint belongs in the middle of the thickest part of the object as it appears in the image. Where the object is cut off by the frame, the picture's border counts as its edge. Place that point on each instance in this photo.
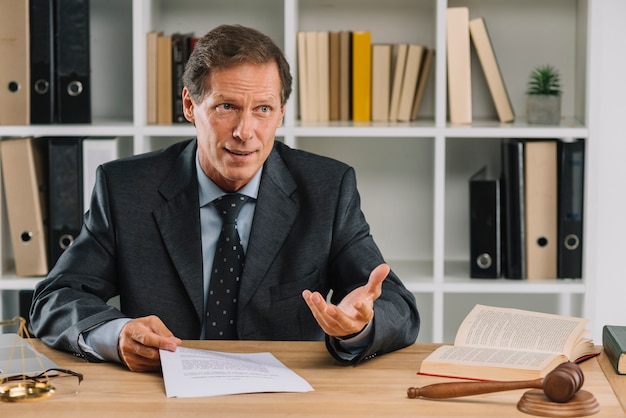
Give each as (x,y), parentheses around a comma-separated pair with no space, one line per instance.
(559,385)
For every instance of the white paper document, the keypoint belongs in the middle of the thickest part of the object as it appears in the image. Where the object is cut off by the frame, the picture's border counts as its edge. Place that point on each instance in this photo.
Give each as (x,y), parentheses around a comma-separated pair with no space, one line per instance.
(190,372)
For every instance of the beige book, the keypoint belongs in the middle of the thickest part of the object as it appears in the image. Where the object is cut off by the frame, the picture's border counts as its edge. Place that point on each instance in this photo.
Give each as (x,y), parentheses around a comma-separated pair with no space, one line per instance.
(399,61)
(14,64)
(323,74)
(381,80)
(24,178)
(507,344)
(427,64)
(164,80)
(491,69)
(459,69)
(541,212)
(409,84)
(151,76)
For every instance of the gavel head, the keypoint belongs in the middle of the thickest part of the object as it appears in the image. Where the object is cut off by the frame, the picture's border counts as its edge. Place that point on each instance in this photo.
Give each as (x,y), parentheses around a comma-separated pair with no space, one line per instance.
(562,383)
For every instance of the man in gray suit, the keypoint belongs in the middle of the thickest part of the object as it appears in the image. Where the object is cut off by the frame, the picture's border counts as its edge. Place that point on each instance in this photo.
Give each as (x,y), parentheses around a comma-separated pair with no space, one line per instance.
(151,232)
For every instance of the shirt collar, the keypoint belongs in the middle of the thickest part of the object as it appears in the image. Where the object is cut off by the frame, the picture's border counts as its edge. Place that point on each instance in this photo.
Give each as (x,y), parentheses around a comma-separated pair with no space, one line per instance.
(209,191)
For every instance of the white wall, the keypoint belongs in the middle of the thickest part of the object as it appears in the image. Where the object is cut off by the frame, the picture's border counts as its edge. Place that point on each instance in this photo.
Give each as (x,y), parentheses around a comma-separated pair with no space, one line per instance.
(605,229)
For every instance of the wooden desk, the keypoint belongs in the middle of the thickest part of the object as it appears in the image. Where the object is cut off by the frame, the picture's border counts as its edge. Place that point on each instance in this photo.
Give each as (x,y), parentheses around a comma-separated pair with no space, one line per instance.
(375,388)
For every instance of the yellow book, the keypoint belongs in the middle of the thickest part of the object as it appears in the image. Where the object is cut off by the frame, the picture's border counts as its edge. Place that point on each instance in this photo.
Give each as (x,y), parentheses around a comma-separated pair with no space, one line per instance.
(361,76)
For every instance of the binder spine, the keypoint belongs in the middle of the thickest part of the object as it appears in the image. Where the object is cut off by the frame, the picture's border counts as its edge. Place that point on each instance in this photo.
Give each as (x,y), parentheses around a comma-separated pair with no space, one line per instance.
(72,61)
(42,80)
(66,194)
(571,191)
(485,226)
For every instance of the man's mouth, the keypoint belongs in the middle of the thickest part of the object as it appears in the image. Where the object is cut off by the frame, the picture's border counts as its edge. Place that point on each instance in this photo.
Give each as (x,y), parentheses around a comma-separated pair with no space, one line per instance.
(240,153)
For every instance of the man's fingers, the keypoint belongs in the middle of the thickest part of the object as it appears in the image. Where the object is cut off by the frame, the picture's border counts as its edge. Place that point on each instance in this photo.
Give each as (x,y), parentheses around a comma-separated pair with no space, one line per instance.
(377,276)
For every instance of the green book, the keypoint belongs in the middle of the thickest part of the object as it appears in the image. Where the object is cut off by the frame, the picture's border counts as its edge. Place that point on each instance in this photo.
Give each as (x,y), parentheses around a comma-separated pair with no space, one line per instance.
(614,342)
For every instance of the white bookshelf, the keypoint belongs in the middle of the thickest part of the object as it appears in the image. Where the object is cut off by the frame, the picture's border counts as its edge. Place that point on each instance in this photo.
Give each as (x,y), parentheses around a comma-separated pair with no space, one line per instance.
(428,161)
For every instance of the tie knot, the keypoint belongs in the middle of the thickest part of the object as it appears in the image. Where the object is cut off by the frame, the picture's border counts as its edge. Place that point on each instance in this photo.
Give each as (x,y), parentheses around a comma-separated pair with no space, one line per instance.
(229,205)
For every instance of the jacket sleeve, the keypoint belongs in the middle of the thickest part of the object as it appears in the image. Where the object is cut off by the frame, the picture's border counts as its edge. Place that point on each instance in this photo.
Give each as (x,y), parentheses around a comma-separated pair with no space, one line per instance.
(73,297)
(396,318)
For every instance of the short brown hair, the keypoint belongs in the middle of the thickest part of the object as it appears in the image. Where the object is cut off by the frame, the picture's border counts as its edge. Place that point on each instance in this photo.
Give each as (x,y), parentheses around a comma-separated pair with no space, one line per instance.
(230,45)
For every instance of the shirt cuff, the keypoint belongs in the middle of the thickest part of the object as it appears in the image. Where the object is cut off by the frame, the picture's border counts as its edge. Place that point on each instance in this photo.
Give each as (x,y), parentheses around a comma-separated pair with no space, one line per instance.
(101,341)
(353,346)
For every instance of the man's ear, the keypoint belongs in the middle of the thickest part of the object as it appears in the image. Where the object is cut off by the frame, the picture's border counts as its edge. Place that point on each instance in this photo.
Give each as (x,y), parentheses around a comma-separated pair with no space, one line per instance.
(188,105)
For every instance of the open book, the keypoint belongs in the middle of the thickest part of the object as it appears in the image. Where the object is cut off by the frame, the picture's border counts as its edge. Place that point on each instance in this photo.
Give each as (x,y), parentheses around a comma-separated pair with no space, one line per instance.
(510,344)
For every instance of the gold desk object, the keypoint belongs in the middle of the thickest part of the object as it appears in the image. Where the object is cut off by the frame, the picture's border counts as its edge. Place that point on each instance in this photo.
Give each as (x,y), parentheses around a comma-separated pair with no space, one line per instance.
(23,389)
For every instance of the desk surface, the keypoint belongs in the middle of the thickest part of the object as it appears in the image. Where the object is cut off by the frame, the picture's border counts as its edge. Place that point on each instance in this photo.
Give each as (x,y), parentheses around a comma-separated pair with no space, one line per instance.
(375,388)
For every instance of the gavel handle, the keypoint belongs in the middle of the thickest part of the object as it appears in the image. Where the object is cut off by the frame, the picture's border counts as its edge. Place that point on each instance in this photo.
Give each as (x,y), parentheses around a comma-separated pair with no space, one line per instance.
(457,389)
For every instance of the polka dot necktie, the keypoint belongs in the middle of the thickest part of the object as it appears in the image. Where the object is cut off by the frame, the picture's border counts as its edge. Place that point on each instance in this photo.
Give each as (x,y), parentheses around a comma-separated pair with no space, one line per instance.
(226,273)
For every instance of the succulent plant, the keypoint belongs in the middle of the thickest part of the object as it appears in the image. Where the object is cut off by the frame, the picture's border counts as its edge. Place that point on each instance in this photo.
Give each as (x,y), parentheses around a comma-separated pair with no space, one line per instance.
(546,80)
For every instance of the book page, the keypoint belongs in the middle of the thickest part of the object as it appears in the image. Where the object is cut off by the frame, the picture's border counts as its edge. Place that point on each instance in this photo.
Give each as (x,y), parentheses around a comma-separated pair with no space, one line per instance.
(492,357)
(487,326)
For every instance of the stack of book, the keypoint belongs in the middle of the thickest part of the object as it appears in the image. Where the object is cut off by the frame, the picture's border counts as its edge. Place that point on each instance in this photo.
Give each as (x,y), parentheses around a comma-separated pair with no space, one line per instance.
(459,28)
(528,222)
(166,59)
(45,65)
(343,76)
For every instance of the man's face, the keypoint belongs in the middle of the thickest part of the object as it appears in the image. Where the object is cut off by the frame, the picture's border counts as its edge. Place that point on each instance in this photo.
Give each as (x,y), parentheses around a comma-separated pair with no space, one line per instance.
(236,122)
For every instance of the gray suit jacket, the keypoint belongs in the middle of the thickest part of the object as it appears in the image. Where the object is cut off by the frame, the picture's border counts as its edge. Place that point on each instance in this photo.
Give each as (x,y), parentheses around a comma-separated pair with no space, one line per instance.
(141,240)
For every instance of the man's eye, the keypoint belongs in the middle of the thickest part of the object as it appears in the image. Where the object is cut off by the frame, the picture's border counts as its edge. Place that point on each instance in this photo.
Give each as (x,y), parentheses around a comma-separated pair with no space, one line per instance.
(225,106)
(264,109)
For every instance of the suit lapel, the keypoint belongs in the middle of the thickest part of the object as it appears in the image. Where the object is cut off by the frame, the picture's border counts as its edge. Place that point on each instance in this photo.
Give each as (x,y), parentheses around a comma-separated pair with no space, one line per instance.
(182,239)
(275,213)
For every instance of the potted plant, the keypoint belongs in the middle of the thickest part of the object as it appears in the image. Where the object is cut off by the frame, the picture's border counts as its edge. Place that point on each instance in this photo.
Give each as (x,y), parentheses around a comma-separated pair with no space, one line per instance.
(543,106)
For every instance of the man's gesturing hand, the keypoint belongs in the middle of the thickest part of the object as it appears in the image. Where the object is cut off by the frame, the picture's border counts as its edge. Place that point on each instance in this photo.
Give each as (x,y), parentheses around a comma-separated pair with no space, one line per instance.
(353,313)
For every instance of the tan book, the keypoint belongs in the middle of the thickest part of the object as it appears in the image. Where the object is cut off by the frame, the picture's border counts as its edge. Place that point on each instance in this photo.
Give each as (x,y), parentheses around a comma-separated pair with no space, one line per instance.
(334,69)
(381,81)
(164,80)
(491,69)
(323,75)
(345,75)
(399,61)
(14,63)
(541,212)
(459,68)
(151,76)
(427,64)
(25,184)
(312,75)
(507,344)
(413,64)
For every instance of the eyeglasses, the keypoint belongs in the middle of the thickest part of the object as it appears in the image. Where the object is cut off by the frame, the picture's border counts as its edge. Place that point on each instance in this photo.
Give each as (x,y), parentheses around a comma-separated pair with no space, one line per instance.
(57,382)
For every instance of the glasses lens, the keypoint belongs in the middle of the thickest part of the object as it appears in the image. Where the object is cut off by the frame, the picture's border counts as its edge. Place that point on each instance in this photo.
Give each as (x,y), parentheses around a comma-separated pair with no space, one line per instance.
(64,385)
